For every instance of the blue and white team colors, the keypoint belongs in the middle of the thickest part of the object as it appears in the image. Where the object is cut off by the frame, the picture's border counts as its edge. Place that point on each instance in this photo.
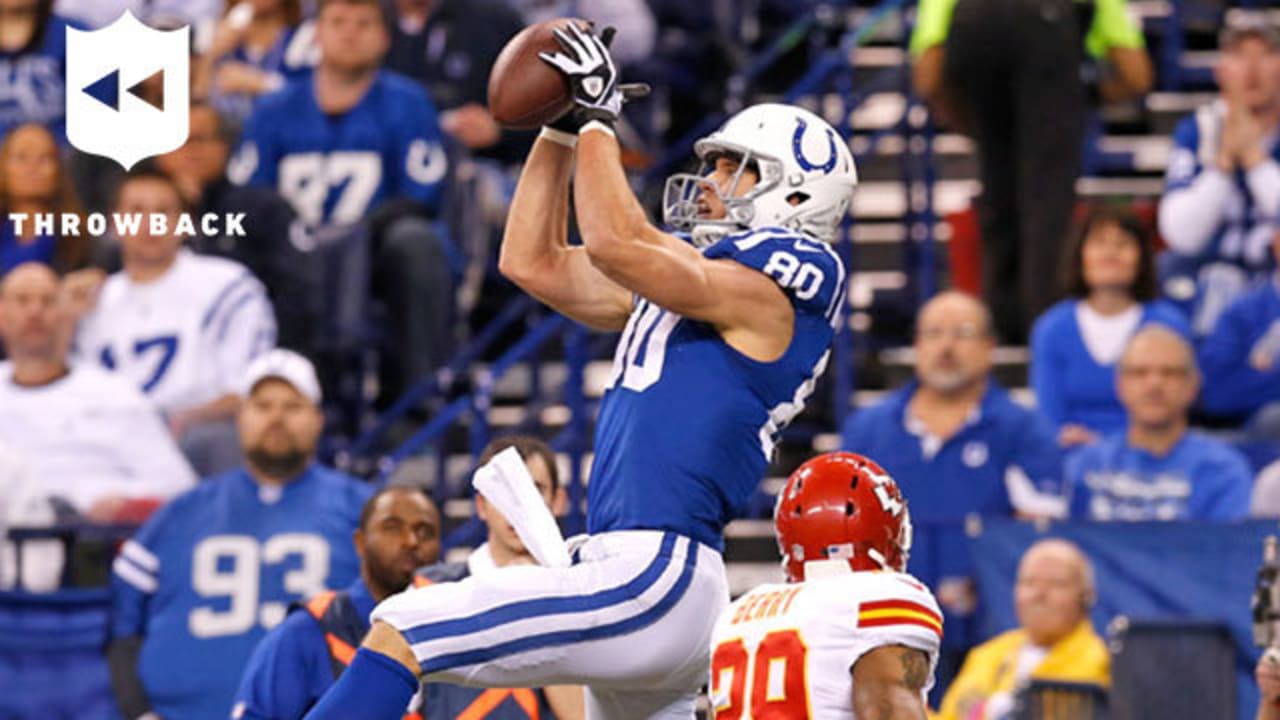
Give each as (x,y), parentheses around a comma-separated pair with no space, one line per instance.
(688,424)
(32,82)
(1218,225)
(215,569)
(334,169)
(186,338)
(685,432)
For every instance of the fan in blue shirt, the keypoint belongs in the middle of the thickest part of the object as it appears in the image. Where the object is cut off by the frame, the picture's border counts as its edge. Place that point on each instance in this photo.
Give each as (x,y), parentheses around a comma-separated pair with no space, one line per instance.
(357,152)
(1157,470)
(201,583)
(348,137)
(1074,346)
(295,663)
(1241,359)
(957,444)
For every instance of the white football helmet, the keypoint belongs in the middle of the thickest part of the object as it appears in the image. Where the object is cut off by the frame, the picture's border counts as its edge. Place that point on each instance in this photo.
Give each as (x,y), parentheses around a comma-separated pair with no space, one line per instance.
(806,175)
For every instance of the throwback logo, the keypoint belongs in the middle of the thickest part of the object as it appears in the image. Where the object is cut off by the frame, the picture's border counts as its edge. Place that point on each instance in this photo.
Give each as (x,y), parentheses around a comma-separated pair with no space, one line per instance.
(128,90)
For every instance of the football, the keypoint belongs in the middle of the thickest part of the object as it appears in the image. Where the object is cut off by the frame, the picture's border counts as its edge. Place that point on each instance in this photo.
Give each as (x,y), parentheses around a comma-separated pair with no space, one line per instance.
(524,91)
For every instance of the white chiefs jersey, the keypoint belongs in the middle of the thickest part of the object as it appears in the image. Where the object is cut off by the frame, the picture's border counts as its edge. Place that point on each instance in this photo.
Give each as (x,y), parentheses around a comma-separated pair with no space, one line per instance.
(787,651)
(185,338)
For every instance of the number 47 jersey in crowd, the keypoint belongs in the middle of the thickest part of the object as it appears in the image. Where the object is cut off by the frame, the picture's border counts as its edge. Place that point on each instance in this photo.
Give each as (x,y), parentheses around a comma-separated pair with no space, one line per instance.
(788,650)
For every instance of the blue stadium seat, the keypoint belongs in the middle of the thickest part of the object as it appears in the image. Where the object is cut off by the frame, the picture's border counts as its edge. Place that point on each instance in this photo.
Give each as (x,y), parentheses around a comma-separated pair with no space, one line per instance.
(51,646)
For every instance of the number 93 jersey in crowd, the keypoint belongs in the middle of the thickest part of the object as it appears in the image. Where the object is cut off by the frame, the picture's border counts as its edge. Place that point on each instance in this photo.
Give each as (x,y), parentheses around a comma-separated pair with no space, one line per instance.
(788,650)
(211,572)
(688,424)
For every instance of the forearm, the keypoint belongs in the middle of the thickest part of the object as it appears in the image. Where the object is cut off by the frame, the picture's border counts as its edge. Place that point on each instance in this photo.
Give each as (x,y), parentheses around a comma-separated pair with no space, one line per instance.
(1190,215)
(535,238)
(890,702)
(536,255)
(122,662)
(610,217)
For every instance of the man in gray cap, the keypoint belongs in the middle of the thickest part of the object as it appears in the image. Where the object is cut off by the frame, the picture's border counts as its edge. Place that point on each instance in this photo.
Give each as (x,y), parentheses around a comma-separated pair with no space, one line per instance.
(1222,186)
(211,572)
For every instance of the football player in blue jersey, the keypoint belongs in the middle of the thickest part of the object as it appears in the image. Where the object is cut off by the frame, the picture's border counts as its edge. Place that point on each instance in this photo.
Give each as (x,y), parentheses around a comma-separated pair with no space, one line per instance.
(205,578)
(725,332)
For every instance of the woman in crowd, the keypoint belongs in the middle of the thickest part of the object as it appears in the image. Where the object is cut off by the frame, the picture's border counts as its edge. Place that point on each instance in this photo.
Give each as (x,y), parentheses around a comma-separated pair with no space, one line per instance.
(34,181)
(1111,281)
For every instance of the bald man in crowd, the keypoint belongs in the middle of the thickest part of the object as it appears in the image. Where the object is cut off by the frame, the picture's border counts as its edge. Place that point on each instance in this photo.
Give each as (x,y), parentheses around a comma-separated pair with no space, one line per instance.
(89,438)
(958,445)
(1158,469)
(1055,640)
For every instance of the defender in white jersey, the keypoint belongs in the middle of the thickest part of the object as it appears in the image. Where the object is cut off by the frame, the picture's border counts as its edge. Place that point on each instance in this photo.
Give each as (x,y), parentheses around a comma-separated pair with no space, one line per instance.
(850,635)
(183,327)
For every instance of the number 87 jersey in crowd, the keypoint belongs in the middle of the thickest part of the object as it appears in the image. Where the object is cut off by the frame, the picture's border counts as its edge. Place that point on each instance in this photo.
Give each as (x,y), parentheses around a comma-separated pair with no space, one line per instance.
(790,650)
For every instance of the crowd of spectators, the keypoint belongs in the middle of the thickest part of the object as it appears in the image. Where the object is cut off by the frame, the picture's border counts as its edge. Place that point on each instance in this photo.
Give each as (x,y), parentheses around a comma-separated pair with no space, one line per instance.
(137,363)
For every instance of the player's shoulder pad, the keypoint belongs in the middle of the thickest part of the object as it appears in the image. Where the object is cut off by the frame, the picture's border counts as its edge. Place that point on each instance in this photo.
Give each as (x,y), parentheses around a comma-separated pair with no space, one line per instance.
(807,269)
(444,572)
(891,587)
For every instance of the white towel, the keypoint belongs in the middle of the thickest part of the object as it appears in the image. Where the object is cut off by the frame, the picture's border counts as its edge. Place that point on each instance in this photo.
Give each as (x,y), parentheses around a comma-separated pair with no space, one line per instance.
(506,483)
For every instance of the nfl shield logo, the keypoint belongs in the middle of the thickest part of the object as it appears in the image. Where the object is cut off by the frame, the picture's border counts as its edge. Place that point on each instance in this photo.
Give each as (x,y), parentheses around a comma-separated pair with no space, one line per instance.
(128,89)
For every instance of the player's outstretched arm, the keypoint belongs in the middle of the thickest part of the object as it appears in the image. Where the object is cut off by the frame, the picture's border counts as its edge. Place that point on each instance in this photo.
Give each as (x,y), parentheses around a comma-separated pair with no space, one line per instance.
(664,269)
(889,682)
(535,252)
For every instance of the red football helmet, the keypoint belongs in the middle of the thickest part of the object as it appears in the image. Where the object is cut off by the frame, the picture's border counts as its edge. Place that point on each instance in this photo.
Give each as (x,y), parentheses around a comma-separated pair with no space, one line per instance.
(842,505)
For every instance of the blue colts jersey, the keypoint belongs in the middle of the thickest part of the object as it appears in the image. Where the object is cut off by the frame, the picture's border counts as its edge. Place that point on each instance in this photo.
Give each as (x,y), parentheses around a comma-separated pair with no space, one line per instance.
(211,572)
(335,169)
(688,424)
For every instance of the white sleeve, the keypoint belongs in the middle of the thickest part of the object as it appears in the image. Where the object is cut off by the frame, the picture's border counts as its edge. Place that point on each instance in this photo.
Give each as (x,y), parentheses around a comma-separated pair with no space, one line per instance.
(1189,215)
(1264,185)
(246,329)
(157,466)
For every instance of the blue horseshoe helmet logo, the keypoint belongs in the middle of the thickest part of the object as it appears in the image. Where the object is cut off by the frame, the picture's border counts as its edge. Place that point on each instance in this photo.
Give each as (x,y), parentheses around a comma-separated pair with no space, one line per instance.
(825,167)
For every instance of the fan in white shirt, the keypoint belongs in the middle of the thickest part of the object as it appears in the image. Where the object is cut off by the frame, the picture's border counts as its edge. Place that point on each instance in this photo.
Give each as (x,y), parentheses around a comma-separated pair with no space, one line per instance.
(183,327)
(87,436)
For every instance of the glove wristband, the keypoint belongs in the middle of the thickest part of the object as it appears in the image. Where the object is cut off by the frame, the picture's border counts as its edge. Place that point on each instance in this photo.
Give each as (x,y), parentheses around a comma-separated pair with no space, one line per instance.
(600,126)
(559,137)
